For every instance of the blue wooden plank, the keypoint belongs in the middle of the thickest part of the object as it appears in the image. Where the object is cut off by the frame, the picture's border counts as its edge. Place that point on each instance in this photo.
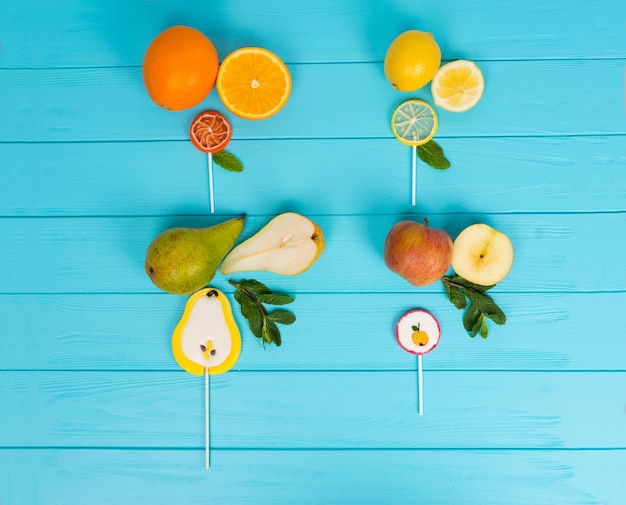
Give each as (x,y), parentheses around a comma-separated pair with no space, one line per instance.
(116,33)
(67,477)
(160,178)
(314,410)
(332,332)
(554,253)
(327,101)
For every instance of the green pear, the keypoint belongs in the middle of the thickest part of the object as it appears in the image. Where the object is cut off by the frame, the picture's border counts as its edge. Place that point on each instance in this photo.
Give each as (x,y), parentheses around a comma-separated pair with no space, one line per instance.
(183,260)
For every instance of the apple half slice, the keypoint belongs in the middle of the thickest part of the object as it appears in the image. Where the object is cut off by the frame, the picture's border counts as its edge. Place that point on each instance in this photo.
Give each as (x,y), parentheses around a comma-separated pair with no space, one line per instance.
(482,255)
(288,245)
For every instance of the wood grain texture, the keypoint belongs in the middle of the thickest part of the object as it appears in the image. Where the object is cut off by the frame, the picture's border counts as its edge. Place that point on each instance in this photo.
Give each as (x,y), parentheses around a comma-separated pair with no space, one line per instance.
(80,34)
(332,332)
(314,410)
(93,408)
(109,104)
(74,255)
(160,477)
(560,174)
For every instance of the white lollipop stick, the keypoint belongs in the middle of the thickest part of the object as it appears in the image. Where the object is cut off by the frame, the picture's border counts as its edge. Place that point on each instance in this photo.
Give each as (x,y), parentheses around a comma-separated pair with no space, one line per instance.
(420,385)
(414,176)
(211,198)
(206,416)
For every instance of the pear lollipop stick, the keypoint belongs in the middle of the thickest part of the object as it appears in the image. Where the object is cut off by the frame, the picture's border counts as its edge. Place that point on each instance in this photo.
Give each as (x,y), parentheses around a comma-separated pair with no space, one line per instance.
(206,341)
(414,123)
(210,132)
(418,332)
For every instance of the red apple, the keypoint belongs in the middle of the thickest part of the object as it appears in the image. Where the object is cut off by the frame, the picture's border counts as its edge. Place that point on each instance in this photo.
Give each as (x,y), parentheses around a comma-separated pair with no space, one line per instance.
(420,254)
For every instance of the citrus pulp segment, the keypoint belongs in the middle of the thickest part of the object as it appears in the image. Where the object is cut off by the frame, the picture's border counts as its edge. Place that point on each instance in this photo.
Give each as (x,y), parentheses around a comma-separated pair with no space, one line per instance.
(210,131)
(414,122)
(253,83)
(458,86)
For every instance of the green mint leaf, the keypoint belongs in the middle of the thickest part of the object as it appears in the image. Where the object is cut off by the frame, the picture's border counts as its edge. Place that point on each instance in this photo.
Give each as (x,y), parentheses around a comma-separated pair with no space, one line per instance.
(457,297)
(282,317)
(457,279)
(271,333)
(431,153)
(486,305)
(471,317)
(484,331)
(228,161)
(497,316)
(255,287)
(251,294)
(249,308)
(275,299)
(477,326)
(255,321)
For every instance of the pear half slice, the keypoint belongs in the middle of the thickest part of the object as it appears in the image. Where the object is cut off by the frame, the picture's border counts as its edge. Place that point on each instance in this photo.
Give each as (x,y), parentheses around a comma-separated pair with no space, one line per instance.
(288,245)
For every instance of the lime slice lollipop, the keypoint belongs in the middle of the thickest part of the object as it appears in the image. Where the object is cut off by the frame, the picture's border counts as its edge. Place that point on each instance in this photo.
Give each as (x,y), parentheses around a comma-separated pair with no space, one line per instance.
(414,123)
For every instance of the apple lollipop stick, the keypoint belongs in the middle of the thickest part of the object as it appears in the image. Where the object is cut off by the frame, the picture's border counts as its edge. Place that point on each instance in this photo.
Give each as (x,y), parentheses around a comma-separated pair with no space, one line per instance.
(420,385)
(414,123)
(418,332)
(210,132)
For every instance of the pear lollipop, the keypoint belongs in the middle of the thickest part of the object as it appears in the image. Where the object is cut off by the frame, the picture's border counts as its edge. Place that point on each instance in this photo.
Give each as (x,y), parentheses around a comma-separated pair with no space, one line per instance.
(210,132)
(418,332)
(206,341)
(414,123)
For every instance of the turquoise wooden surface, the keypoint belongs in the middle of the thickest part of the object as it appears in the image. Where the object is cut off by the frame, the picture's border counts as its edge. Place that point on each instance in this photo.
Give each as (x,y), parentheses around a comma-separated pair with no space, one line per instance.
(94,410)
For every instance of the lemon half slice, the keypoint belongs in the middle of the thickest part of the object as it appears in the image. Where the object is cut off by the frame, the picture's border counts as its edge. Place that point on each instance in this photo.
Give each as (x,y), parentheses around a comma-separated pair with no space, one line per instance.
(458,86)
(414,122)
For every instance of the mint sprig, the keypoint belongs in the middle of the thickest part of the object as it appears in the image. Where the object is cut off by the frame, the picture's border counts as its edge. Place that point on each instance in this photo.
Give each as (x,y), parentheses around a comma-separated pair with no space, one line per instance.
(251,295)
(431,153)
(481,306)
(228,161)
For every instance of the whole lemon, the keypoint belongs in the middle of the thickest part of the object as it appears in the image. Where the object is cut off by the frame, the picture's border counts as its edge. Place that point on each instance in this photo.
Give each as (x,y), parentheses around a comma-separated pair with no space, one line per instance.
(412,60)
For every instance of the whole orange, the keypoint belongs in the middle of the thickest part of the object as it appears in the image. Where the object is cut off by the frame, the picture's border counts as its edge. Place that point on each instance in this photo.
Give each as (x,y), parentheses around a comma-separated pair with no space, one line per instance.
(179,68)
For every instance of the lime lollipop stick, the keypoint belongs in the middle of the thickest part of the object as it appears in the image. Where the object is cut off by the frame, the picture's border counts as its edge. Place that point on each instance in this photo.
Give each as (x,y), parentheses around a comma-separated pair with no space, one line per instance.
(206,416)
(414,176)
(211,198)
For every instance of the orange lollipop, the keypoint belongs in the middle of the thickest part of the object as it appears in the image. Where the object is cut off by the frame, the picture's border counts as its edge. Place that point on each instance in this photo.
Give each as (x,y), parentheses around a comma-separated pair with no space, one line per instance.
(210,132)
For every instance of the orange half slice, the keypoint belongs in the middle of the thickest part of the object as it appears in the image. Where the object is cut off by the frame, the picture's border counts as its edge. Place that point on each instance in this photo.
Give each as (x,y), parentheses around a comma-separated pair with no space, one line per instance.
(253,83)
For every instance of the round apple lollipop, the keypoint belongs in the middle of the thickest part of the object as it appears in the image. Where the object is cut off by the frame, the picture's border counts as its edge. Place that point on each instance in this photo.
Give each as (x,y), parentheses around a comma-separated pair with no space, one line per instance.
(206,341)
(418,332)
(414,123)
(210,132)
